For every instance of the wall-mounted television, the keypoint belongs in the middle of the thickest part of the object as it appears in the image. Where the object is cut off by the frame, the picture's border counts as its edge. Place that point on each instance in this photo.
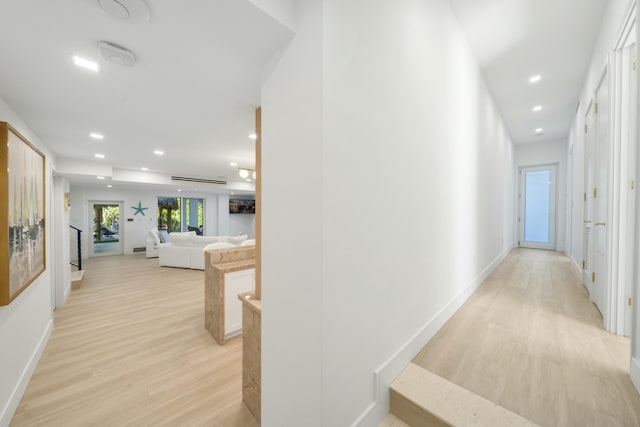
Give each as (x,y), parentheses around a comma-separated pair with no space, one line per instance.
(242,206)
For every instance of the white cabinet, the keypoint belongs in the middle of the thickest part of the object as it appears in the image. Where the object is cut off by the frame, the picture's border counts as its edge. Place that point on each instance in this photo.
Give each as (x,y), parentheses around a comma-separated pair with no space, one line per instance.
(235,283)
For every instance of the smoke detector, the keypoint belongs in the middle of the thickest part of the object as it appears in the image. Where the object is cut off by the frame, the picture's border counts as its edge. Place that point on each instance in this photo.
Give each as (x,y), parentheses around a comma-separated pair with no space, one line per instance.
(134,11)
(116,54)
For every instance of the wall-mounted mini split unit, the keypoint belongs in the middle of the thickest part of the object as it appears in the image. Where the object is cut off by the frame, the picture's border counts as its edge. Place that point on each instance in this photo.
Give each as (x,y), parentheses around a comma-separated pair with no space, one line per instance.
(134,11)
(116,54)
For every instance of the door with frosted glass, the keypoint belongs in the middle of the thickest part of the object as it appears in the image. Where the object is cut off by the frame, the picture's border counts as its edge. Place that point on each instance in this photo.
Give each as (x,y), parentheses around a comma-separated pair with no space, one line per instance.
(537,218)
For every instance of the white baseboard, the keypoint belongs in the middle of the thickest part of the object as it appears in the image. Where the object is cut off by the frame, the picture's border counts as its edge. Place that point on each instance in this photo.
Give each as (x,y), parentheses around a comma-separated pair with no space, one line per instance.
(578,267)
(385,374)
(634,371)
(19,389)
(67,292)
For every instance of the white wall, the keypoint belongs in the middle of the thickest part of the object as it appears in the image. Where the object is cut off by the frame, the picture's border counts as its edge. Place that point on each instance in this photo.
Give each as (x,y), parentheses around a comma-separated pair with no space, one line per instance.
(242,224)
(292,262)
(388,106)
(635,339)
(61,242)
(26,323)
(548,152)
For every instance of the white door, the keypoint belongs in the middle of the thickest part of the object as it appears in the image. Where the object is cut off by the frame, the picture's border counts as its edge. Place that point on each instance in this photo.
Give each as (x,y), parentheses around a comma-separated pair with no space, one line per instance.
(629,129)
(601,287)
(538,207)
(589,178)
(105,237)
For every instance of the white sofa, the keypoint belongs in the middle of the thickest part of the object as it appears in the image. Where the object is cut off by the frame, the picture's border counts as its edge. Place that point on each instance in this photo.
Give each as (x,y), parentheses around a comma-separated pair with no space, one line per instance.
(154,243)
(186,250)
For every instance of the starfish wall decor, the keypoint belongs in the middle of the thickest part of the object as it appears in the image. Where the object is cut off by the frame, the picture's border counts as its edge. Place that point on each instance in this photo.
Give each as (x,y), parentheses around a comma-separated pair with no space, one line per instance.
(139,208)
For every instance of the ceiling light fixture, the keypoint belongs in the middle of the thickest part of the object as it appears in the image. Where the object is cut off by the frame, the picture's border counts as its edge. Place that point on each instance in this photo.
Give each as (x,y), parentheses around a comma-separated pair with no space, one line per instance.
(95,135)
(144,169)
(233,164)
(539,130)
(158,153)
(179,190)
(134,11)
(100,177)
(116,54)
(253,136)
(537,108)
(535,79)
(99,156)
(109,185)
(245,172)
(86,64)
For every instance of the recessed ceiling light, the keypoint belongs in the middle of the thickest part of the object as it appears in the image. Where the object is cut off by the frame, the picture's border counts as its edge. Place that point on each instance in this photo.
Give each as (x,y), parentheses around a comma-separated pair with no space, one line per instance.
(248,180)
(144,169)
(100,177)
(96,135)
(233,164)
(85,63)
(233,194)
(109,185)
(537,108)
(539,130)
(253,136)
(535,79)
(158,152)
(100,156)
(179,189)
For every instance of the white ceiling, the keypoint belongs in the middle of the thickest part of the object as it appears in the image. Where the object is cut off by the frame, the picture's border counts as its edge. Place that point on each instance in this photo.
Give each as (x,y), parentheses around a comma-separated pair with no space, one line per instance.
(516,39)
(192,93)
(196,82)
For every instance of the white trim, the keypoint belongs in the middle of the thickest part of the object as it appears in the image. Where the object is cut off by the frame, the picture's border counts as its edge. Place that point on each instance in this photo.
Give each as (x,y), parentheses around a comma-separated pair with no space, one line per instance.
(391,368)
(67,292)
(625,31)
(10,407)
(578,267)
(634,372)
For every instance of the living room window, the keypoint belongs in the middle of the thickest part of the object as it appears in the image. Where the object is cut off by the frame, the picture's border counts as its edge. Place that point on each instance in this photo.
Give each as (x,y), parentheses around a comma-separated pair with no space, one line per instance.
(181,214)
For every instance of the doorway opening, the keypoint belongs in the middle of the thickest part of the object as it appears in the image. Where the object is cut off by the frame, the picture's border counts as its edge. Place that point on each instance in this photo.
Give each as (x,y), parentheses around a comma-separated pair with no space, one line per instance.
(106,229)
(538,207)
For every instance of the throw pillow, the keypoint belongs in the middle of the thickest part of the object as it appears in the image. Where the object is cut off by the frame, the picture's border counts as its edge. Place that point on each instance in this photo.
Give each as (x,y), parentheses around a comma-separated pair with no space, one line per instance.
(164,236)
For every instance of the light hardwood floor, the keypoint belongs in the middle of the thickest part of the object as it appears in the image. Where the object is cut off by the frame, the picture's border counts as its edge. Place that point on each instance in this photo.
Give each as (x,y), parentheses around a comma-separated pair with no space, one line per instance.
(530,340)
(130,349)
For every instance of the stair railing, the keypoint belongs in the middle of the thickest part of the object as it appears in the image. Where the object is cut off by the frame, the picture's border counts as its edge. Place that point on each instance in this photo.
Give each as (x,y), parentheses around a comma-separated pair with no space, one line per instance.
(76,241)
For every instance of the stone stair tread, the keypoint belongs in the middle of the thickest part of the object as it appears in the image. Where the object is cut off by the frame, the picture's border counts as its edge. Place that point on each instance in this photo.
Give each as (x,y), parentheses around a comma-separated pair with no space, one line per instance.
(417,392)
(392,421)
(76,278)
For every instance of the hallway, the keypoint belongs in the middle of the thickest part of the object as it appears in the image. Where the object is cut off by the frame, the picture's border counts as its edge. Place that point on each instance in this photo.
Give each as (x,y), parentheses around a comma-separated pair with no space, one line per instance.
(530,340)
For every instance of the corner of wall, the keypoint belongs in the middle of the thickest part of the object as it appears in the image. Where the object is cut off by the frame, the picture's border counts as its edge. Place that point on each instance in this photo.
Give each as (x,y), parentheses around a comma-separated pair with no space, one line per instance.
(634,372)
(12,404)
(390,369)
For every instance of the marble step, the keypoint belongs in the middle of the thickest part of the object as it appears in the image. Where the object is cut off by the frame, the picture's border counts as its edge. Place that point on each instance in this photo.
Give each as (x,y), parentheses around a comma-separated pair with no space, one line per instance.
(420,398)
(392,421)
(76,278)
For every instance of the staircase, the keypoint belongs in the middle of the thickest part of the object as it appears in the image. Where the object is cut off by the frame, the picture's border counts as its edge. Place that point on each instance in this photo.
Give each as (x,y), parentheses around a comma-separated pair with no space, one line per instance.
(419,398)
(76,257)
